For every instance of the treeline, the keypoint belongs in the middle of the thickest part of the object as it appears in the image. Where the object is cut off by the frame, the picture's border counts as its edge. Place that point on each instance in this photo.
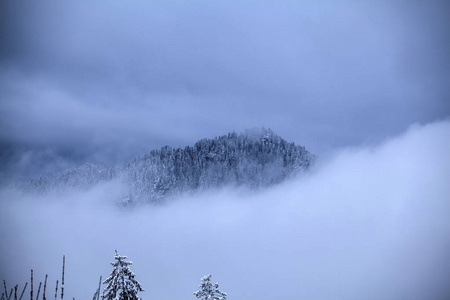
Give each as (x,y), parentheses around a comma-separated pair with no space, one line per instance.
(256,158)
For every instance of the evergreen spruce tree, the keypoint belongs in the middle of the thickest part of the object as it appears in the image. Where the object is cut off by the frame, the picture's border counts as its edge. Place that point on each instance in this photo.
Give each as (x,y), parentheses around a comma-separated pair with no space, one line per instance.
(208,291)
(121,284)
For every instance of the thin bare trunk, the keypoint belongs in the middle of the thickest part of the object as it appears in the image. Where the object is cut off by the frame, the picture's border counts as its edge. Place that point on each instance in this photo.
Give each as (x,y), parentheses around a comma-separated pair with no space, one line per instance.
(39,290)
(56,290)
(10,294)
(62,283)
(45,287)
(15,292)
(6,291)
(99,287)
(23,291)
(31,292)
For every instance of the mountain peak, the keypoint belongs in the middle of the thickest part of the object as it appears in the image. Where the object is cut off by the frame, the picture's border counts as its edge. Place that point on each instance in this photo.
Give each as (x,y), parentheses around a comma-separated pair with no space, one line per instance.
(256,158)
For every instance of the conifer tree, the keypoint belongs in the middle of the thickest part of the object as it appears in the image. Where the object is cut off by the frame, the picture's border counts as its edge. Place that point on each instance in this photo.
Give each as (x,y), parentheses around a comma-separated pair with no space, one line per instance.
(121,284)
(208,291)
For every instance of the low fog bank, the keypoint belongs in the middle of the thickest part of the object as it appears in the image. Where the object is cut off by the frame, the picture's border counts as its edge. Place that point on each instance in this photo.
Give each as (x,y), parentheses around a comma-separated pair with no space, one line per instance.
(370,223)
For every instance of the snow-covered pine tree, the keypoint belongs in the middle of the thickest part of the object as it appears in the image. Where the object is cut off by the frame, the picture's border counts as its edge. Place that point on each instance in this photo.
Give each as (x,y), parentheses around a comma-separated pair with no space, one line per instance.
(208,291)
(121,284)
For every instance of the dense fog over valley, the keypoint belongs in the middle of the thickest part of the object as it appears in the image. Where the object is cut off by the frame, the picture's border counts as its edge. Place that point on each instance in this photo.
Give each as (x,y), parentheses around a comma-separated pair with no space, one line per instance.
(371,223)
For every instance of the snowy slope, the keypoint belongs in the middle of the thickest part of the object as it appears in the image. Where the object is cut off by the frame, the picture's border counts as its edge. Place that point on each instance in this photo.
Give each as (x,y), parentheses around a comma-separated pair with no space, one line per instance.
(254,159)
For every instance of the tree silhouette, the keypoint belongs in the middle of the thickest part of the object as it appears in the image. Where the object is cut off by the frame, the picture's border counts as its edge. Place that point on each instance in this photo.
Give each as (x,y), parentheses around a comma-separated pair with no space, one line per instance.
(121,284)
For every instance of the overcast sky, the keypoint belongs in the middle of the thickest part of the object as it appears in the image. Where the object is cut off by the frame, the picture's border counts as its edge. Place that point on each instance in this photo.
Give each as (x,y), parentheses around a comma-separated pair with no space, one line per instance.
(103,81)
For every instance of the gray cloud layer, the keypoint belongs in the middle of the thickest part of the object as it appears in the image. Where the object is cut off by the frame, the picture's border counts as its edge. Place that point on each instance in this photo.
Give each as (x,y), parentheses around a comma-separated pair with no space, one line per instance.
(370,223)
(105,81)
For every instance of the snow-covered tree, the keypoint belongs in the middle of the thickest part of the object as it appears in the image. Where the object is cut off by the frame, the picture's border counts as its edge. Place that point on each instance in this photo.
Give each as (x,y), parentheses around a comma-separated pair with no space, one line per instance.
(208,291)
(121,284)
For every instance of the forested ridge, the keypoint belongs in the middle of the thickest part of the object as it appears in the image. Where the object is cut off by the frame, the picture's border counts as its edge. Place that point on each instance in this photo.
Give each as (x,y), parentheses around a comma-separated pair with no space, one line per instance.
(254,159)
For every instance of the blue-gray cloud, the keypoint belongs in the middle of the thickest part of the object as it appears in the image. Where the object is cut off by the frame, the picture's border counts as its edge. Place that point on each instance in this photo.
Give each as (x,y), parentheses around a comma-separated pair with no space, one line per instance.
(107,81)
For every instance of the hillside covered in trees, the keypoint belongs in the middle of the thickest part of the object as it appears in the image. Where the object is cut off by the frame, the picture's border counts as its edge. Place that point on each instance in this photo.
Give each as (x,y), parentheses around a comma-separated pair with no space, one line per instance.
(256,158)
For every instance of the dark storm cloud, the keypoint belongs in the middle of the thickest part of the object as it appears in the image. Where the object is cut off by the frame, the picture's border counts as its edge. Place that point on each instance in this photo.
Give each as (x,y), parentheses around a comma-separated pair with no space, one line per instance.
(105,81)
